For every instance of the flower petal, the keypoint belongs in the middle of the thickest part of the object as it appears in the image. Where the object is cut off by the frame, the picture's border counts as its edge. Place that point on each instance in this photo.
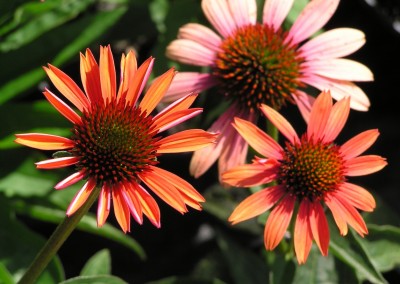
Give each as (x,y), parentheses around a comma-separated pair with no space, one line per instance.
(104,205)
(90,76)
(81,197)
(139,81)
(333,44)
(359,143)
(258,139)
(57,163)
(190,52)
(218,14)
(128,72)
(135,207)
(337,119)
(74,178)
(200,34)
(62,107)
(302,232)
(319,116)
(278,221)
(244,12)
(121,209)
(357,196)
(44,141)
(108,79)
(149,205)
(186,141)
(275,12)
(304,102)
(256,204)
(337,212)
(364,165)
(319,227)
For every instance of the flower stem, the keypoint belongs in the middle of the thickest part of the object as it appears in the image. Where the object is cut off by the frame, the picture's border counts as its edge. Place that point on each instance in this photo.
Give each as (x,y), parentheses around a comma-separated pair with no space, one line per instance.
(56,240)
(272,131)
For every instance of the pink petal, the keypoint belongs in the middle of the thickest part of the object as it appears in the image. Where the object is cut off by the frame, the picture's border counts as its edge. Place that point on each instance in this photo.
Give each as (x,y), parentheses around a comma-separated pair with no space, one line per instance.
(339,69)
(62,107)
(319,227)
(302,233)
(57,163)
(188,82)
(190,52)
(364,165)
(337,212)
(281,123)
(319,116)
(200,34)
(304,102)
(339,114)
(74,178)
(357,196)
(278,221)
(81,197)
(218,14)
(359,143)
(103,205)
(258,139)
(256,204)
(244,12)
(275,12)
(44,141)
(333,44)
(314,16)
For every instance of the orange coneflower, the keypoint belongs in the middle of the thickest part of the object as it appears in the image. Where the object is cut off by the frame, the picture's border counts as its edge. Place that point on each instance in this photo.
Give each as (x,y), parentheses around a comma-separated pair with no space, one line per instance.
(310,170)
(115,141)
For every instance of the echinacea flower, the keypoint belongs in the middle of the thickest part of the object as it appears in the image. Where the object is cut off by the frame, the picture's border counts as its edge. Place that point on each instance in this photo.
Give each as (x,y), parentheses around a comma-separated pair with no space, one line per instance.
(115,141)
(252,63)
(310,170)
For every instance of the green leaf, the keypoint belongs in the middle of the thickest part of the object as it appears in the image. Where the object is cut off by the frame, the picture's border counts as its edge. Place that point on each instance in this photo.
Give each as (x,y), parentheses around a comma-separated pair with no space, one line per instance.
(5,275)
(19,246)
(98,264)
(281,267)
(185,280)
(87,224)
(103,279)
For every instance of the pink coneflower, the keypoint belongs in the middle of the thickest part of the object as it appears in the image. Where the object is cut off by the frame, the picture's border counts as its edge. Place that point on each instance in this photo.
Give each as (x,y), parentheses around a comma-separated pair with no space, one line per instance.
(252,63)
(115,141)
(309,170)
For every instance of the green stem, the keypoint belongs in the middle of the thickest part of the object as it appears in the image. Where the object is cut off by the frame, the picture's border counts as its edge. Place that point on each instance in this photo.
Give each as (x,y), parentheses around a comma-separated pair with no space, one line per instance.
(272,131)
(56,240)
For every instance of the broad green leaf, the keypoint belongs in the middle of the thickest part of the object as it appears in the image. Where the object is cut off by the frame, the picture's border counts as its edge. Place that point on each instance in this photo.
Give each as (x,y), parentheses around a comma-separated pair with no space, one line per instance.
(98,264)
(87,224)
(19,246)
(103,279)
(5,275)
(281,266)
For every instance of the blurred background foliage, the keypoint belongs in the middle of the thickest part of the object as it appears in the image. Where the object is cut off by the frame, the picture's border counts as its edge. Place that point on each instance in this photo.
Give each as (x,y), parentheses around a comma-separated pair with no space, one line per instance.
(199,247)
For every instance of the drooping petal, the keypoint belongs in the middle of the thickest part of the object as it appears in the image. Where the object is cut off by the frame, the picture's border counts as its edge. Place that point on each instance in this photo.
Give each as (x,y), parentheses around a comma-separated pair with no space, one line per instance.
(156,91)
(281,123)
(72,179)
(333,44)
(149,205)
(339,69)
(90,76)
(186,141)
(190,52)
(258,139)
(314,16)
(275,12)
(67,87)
(44,141)
(251,174)
(302,232)
(319,227)
(62,107)
(104,205)
(128,72)
(339,114)
(244,12)
(256,204)
(357,196)
(218,14)
(121,209)
(200,34)
(338,215)
(188,82)
(364,165)
(139,81)
(133,202)
(108,78)
(57,163)
(319,116)
(359,143)
(278,221)
(304,102)
(81,197)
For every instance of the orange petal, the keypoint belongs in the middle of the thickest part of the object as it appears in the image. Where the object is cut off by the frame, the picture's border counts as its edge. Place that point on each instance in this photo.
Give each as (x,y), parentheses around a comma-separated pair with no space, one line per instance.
(133,203)
(337,212)
(62,107)
(104,205)
(258,139)
(337,119)
(121,209)
(357,196)
(358,144)
(319,116)
(149,205)
(81,197)
(176,118)
(90,76)
(67,87)
(186,141)
(302,233)
(139,81)
(107,74)
(256,204)
(74,178)
(57,163)
(319,227)
(156,91)
(364,165)
(278,221)
(251,174)
(128,71)
(44,141)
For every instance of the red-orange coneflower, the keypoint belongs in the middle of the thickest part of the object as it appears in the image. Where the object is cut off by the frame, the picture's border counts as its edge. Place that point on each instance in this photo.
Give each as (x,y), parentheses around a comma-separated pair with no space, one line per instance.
(310,170)
(115,141)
